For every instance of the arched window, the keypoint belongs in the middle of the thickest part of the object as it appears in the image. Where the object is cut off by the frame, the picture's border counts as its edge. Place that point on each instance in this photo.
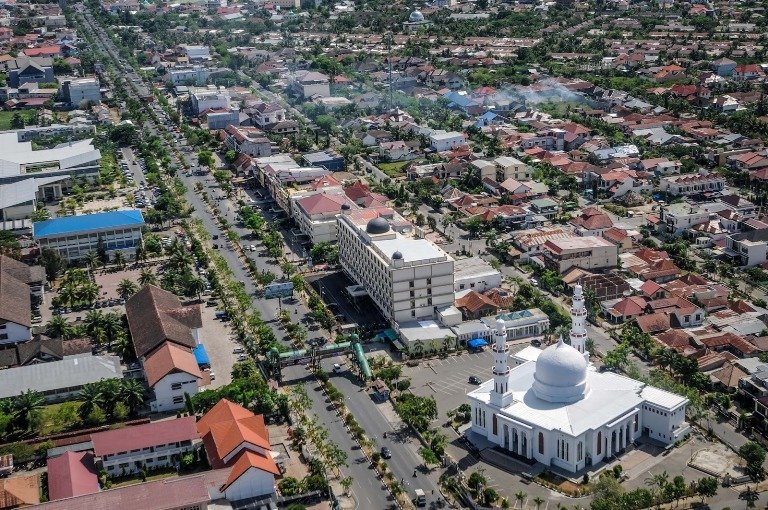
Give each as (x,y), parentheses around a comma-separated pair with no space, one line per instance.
(599,443)
(637,422)
(541,443)
(495,425)
(579,451)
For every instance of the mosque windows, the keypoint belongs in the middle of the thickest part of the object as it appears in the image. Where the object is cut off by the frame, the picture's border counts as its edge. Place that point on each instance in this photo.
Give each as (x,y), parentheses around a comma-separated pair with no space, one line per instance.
(541,443)
(495,425)
(579,452)
(599,443)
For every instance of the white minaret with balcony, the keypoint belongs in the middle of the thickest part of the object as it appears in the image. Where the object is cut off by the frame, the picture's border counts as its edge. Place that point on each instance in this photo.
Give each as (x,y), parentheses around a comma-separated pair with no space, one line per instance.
(578,333)
(500,396)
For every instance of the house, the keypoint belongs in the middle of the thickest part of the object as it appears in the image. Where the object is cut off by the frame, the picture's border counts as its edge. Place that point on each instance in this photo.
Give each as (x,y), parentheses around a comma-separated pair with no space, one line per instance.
(29,70)
(316,214)
(474,305)
(398,151)
(164,333)
(151,445)
(42,349)
(78,91)
(625,309)
(194,53)
(442,141)
(375,137)
(266,115)
(245,140)
(692,184)
(680,217)
(328,159)
(72,474)
(683,313)
(235,437)
(748,248)
(744,72)
(530,243)
(508,167)
(591,222)
(587,252)
(308,84)
(723,67)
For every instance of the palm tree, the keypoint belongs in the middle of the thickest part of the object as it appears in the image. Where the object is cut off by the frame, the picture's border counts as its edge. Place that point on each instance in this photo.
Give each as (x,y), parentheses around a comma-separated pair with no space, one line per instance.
(25,409)
(418,348)
(520,497)
(67,294)
(147,277)
(180,259)
(132,394)
(90,397)
(58,327)
(538,500)
(657,483)
(91,260)
(119,259)
(94,321)
(113,325)
(89,292)
(126,288)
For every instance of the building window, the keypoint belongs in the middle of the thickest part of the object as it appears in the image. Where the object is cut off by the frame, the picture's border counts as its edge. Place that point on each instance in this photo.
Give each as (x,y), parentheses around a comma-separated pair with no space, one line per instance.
(579,451)
(176,386)
(599,443)
(541,443)
(178,399)
(495,425)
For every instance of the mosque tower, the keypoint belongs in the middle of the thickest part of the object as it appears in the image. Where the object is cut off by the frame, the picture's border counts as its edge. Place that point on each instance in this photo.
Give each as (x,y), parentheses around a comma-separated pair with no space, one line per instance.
(578,333)
(500,396)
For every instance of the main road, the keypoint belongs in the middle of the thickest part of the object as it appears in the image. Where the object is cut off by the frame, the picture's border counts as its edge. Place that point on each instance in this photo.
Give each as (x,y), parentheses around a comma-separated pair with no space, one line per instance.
(367,490)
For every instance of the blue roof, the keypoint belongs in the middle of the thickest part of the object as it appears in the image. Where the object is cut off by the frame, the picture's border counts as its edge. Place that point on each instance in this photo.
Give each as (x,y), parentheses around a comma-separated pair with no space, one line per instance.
(201,356)
(477,342)
(87,222)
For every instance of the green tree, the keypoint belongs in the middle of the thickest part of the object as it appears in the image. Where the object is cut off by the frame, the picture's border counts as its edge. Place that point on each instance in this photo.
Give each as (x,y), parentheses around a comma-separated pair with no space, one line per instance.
(476,482)
(429,456)
(706,487)
(58,327)
(147,277)
(9,244)
(132,394)
(753,455)
(126,288)
(26,409)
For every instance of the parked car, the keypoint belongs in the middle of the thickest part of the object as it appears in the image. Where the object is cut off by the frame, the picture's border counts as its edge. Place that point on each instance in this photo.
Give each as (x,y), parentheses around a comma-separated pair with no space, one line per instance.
(473,379)
(386,453)
(238,350)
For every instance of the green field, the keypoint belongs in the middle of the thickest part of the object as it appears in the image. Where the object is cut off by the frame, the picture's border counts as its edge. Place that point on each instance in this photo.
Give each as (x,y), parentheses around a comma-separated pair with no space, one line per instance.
(6,117)
(394,169)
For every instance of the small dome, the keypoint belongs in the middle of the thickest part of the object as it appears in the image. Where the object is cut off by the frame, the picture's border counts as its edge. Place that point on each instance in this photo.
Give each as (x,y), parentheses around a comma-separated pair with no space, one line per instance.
(345,207)
(416,17)
(377,225)
(561,374)
(397,256)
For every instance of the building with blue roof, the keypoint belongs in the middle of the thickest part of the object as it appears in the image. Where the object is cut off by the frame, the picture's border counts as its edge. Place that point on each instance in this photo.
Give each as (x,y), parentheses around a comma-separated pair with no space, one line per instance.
(74,236)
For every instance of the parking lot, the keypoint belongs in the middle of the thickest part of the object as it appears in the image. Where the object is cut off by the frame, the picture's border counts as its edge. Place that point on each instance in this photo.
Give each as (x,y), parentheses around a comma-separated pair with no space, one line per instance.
(448,379)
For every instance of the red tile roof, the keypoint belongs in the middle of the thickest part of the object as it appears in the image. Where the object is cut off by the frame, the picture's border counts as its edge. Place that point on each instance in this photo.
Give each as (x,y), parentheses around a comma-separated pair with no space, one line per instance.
(170,358)
(249,460)
(19,491)
(144,436)
(72,474)
(228,425)
(653,323)
(473,302)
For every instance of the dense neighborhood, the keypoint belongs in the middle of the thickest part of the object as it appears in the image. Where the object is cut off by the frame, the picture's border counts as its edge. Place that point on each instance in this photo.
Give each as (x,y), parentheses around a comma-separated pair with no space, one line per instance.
(357,255)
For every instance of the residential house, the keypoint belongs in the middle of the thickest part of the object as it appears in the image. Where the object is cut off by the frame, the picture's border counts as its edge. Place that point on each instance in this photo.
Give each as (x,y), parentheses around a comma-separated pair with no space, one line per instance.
(398,151)
(587,252)
(530,243)
(442,141)
(591,222)
(151,445)
(692,184)
(743,72)
(29,70)
(748,248)
(245,140)
(20,491)
(309,84)
(680,217)
(474,305)
(508,167)
(682,312)
(625,309)
(723,67)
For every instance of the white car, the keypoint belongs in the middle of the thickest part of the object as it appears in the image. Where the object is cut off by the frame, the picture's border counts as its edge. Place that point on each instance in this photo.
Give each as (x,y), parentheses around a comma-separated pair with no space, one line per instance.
(238,350)
(253,247)
(336,367)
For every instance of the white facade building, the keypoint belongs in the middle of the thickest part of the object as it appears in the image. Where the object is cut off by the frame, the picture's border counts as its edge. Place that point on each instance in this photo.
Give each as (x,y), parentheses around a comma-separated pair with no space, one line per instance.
(197,75)
(209,98)
(445,141)
(407,278)
(553,407)
(75,91)
(692,184)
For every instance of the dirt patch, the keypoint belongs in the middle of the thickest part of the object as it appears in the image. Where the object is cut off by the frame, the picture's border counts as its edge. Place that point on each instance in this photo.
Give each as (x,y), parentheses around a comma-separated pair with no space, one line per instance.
(717,460)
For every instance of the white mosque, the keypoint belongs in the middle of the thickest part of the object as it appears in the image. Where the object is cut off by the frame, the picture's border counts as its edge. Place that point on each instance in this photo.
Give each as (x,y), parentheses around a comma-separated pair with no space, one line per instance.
(551,405)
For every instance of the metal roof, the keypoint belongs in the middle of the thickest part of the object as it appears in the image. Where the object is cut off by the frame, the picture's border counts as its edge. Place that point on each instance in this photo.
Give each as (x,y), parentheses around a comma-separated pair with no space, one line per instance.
(87,223)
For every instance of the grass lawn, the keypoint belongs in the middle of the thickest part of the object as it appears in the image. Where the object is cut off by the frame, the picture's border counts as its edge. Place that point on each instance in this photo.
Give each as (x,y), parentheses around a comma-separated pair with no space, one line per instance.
(394,169)
(6,117)
(123,481)
(59,417)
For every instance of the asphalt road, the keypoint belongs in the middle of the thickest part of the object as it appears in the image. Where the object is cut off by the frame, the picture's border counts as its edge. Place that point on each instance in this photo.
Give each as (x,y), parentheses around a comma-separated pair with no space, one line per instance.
(405,457)
(366,489)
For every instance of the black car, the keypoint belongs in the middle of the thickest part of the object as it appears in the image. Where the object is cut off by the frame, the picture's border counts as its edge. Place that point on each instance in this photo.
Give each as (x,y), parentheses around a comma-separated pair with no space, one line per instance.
(386,453)
(473,379)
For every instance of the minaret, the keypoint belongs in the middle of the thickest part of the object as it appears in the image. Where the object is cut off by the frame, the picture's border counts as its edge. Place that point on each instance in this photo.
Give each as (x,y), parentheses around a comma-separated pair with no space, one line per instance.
(578,333)
(500,366)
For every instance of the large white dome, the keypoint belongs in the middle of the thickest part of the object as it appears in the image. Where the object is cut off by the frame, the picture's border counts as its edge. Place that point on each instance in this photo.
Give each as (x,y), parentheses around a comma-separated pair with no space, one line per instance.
(561,374)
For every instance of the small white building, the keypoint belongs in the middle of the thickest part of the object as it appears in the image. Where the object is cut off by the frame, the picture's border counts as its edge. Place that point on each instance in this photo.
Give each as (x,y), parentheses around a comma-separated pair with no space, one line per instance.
(476,274)
(195,53)
(508,167)
(316,214)
(446,140)
(76,91)
(194,75)
(692,184)
(209,98)
(553,407)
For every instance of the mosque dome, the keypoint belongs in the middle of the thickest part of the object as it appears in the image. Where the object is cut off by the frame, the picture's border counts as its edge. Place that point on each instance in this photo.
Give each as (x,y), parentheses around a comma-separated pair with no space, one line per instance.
(345,207)
(377,225)
(416,17)
(561,374)
(397,256)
